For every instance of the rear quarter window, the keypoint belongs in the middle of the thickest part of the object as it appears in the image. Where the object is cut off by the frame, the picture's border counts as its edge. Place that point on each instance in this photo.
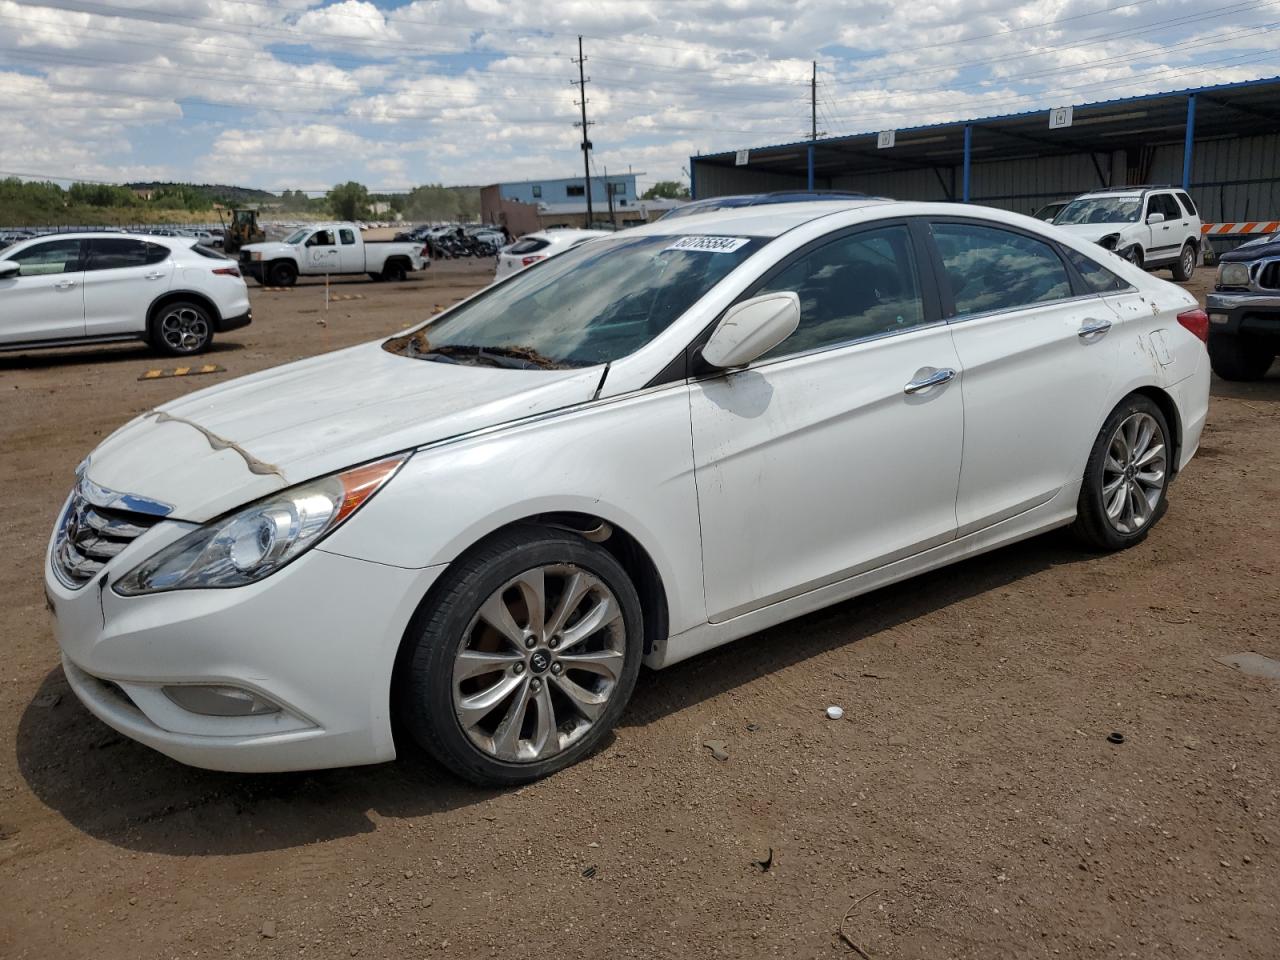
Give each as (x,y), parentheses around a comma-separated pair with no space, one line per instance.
(1096,277)
(528,245)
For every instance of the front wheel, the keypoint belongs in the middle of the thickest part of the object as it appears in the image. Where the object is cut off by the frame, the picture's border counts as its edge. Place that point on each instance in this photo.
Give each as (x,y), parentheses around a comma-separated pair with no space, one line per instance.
(524,658)
(181,329)
(1134,255)
(1238,358)
(283,274)
(1127,477)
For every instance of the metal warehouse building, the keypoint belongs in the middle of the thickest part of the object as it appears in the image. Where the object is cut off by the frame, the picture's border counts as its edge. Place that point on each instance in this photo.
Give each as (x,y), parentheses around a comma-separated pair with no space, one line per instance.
(1221,143)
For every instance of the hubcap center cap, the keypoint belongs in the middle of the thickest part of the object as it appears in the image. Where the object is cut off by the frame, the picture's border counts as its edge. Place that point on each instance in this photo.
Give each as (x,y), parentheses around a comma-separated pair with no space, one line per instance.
(540,662)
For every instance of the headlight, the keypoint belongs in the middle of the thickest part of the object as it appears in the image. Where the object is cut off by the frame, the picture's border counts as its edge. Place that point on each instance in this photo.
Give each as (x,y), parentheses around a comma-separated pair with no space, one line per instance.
(256,254)
(1233,275)
(1110,241)
(257,540)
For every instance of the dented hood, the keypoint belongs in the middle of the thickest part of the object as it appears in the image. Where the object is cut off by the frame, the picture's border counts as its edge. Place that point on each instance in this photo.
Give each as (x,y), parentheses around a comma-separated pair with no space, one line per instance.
(1093,231)
(216,449)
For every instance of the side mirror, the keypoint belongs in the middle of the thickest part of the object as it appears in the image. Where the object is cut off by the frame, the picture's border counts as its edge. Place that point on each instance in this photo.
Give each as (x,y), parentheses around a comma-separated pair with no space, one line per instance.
(1155,218)
(751,329)
(8,268)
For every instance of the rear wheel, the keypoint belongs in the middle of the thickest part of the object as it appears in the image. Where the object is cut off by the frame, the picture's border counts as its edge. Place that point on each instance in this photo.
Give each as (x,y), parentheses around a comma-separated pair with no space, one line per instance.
(394,272)
(1238,358)
(181,328)
(282,274)
(1185,268)
(524,659)
(1127,477)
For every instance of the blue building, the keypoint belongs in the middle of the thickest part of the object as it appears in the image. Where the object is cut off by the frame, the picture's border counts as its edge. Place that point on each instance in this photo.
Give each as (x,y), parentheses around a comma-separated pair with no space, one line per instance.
(573,190)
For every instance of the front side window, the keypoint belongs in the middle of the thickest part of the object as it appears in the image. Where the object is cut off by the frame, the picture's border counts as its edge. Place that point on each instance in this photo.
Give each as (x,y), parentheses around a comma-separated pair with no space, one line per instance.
(114,253)
(321,238)
(1101,210)
(992,269)
(590,305)
(1163,203)
(348,237)
(1096,277)
(862,285)
(55,256)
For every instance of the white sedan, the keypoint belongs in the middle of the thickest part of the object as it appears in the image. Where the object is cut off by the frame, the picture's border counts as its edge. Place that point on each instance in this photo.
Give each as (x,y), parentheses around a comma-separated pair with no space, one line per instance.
(654,444)
(75,288)
(534,247)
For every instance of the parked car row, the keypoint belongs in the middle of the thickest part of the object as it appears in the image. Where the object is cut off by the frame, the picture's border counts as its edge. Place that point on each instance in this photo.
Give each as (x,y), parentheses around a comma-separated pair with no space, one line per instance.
(473,533)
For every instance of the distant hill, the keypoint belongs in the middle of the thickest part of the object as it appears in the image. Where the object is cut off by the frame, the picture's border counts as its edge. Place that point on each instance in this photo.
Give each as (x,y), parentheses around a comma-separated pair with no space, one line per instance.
(219,191)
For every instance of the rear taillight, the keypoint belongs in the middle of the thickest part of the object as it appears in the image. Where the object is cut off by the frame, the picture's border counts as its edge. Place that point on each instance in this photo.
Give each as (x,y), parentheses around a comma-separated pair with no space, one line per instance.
(426,251)
(525,261)
(227,272)
(1197,321)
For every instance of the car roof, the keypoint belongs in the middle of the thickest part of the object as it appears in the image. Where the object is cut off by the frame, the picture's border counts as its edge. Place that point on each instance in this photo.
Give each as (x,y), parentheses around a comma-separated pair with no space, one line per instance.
(764,220)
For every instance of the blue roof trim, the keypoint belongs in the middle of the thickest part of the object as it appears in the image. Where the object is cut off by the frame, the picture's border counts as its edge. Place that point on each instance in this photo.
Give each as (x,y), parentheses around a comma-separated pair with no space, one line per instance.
(1218,88)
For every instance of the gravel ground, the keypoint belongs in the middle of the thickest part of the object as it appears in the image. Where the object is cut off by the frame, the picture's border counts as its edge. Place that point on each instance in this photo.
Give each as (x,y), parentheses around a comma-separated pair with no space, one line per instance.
(968,804)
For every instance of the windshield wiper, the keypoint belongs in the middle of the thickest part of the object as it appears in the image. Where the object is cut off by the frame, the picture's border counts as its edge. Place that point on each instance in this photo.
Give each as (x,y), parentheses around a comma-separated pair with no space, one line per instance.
(417,347)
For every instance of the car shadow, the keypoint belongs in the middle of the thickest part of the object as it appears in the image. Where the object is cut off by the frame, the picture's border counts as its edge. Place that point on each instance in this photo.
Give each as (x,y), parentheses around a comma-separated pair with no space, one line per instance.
(128,795)
(1266,390)
(110,353)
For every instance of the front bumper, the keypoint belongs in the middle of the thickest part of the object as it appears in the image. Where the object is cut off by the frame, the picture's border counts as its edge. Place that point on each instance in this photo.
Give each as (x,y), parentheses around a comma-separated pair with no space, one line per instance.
(318,639)
(1255,314)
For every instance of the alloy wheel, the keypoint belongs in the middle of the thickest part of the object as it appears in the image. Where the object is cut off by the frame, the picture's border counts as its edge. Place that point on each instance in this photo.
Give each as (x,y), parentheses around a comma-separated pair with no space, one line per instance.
(1188,261)
(184,329)
(1133,473)
(539,662)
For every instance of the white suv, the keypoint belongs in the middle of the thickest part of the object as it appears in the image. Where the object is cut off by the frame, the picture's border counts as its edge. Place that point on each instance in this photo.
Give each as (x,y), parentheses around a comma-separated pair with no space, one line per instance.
(104,287)
(1149,226)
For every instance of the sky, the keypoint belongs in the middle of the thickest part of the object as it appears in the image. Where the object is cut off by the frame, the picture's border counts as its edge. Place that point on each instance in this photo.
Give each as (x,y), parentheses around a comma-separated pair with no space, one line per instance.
(302,94)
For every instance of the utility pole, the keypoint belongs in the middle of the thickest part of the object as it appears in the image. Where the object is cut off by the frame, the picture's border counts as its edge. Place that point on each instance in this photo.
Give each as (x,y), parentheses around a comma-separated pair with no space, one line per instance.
(583,80)
(813,103)
(608,192)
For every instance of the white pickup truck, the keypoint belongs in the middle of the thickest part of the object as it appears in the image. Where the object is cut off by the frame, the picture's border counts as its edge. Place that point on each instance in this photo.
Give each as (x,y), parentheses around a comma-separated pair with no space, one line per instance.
(329,248)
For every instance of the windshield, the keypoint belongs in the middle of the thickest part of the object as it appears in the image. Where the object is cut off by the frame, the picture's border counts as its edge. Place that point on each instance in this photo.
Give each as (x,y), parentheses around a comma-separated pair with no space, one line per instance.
(1101,210)
(297,236)
(593,304)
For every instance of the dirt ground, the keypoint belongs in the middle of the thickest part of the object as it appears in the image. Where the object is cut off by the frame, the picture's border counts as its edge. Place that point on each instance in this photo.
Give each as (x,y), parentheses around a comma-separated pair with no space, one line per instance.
(968,805)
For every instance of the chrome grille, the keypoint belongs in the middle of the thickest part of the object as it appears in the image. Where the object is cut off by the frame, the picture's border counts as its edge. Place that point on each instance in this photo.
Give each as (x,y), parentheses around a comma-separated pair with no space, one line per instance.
(96,526)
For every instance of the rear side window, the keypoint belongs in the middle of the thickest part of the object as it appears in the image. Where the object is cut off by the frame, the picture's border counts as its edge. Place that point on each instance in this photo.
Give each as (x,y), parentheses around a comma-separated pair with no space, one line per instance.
(112,253)
(347,237)
(1096,277)
(209,252)
(55,256)
(991,269)
(859,286)
(528,245)
(1187,205)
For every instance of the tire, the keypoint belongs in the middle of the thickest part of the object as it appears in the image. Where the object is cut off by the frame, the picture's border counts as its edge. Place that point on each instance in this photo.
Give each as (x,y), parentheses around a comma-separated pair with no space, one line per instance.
(394,272)
(181,328)
(1134,255)
(1140,483)
(1185,268)
(449,632)
(282,274)
(375,277)
(1234,357)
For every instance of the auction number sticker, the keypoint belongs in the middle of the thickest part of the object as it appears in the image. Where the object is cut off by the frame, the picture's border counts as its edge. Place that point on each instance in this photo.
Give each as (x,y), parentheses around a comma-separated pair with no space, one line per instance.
(709,244)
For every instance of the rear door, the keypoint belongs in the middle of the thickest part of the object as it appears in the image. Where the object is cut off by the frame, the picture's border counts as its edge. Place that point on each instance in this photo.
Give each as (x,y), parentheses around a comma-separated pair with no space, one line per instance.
(1038,362)
(123,276)
(351,253)
(46,300)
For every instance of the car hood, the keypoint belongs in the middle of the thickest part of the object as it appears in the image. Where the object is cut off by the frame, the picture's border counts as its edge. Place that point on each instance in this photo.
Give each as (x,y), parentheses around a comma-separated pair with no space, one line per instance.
(268,250)
(1253,250)
(1092,231)
(218,448)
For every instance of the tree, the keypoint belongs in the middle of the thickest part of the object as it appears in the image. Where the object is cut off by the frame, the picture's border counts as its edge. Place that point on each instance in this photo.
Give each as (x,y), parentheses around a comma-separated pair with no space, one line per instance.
(667,190)
(349,201)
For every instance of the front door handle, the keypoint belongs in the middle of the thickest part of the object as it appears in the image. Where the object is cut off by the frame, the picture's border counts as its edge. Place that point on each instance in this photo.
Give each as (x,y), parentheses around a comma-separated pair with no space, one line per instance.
(64,284)
(925,381)
(1093,329)
(155,276)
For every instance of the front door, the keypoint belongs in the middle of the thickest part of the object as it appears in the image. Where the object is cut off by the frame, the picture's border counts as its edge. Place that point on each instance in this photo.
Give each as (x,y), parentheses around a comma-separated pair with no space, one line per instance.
(321,253)
(45,301)
(838,451)
(1039,360)
(350,253)
(122,278)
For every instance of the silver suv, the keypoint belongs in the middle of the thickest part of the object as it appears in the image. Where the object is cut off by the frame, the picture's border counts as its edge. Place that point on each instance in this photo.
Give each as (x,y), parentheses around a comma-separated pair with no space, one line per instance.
(1150,227)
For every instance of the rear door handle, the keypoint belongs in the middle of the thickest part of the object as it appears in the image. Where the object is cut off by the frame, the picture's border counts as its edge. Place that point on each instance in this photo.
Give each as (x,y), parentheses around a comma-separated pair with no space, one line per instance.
(155,276)
(64,284)
(934,379)
(1093,329)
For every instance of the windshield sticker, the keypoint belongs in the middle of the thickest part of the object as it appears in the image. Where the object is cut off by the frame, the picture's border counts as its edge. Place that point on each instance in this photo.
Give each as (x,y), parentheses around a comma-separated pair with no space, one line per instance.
(709,244)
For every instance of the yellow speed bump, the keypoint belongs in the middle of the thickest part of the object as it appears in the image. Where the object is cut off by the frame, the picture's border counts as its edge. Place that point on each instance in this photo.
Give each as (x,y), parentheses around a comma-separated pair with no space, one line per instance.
(182,372)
